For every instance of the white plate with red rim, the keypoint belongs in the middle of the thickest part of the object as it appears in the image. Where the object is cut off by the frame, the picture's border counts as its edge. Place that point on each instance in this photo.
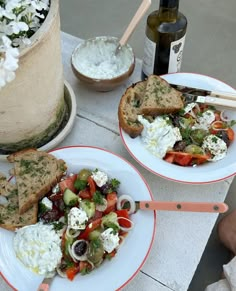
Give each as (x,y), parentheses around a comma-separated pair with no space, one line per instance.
(113,274)
(207,173)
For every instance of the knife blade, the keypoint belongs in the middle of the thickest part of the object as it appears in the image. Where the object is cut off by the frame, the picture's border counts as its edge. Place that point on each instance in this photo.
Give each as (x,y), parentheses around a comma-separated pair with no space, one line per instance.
(204,92)
(182,206)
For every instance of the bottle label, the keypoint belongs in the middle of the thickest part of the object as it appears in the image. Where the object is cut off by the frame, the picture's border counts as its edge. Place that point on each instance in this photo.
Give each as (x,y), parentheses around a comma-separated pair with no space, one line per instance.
(175,57)
(149,56)
(176,54)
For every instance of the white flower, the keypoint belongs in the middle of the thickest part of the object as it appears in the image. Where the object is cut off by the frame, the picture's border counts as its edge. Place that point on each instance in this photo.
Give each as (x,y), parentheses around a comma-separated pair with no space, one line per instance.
(8,61)
(18,19)
(12,4)
(11,59)
(21,42)
(6,42)
(40,4)
(18,26)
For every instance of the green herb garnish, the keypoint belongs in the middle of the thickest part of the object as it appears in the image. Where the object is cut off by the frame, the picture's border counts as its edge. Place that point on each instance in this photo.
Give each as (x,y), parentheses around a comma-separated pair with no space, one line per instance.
(80,184)
(98,198)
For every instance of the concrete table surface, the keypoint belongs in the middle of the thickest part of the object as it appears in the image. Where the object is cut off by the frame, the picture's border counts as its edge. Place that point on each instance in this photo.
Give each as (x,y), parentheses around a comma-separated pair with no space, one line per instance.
(180,237)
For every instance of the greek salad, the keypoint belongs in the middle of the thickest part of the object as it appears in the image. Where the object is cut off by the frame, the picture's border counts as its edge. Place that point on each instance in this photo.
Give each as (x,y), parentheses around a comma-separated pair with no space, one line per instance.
(195,135)
(90,217)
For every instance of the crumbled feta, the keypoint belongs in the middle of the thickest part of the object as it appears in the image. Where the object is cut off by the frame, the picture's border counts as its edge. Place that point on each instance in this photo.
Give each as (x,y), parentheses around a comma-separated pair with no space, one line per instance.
(100,178)
(159,136)
(110,240)
(216,146)
(38,246)
(77,218)
(47,203)
(189,107)
(205,120)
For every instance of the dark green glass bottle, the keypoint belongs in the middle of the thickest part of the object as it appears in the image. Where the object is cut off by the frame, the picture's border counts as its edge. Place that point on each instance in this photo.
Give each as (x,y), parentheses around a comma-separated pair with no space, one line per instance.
(165,37)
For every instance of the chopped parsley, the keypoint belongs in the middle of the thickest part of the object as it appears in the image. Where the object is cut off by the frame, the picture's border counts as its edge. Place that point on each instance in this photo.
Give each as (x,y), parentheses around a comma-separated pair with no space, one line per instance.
(98,198)
(214,139)
(112,225)
(42,208)
(80,184)
(114,184)
(58,225)
(186,135)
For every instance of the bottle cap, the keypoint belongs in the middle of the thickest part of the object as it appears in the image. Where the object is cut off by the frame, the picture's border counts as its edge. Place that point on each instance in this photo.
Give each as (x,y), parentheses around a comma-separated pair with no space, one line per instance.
(169,3)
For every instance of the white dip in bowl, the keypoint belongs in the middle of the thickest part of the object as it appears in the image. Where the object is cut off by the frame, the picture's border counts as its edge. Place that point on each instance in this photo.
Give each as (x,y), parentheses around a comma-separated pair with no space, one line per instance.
(94,60)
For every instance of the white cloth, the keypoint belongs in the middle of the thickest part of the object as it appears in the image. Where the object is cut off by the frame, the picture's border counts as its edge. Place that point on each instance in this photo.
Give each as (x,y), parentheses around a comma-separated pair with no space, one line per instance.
(229,283)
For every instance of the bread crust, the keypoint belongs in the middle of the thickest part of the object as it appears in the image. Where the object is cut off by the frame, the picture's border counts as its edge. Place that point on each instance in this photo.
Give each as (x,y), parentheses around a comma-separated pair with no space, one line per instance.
(128,120)
(10,218)
(129,109)
(151,97)
(12,157)
(160,98)
(36,172)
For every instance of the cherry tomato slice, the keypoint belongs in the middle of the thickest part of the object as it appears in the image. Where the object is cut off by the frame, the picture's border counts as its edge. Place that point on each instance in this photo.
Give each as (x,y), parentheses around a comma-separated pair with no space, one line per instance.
(123,213)
(68,183)
(85,194)
(72,271)
(91,226)
(169,158)
(183,159)
(111,202)
(92,185)
(230,134)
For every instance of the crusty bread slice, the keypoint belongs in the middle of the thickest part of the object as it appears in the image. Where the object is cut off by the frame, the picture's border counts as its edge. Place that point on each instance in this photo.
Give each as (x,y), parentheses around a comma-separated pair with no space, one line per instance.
(36,172)
(9,214)
(160,98)
(129,109)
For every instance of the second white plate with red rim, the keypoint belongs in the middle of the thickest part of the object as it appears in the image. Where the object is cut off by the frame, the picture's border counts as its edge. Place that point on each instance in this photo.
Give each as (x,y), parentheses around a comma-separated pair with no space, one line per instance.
(207,173)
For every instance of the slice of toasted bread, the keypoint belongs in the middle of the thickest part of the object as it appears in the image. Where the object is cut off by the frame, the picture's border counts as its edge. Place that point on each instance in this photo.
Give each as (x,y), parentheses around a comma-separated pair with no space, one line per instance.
(36,172)
(129,109)
(160,98)
(9,214)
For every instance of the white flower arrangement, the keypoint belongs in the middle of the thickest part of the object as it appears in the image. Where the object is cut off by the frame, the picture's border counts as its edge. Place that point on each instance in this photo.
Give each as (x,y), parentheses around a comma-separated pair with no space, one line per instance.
(19,20)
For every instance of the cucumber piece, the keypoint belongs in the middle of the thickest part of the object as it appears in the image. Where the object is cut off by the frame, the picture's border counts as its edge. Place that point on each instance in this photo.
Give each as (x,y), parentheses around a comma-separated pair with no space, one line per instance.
(94,234)
(70,198)
(88,207)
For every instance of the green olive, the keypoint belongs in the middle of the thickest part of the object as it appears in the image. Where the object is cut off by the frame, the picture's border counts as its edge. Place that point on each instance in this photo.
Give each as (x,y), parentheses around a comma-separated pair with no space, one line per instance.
(193,149)
(95,251)
(197,135)
(84,174)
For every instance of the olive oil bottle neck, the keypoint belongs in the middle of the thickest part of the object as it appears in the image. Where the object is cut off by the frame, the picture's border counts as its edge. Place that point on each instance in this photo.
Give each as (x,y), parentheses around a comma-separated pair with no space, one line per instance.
(168,10)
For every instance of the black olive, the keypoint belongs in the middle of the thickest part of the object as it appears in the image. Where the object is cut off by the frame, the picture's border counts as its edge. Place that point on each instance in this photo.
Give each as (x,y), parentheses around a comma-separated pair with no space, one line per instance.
(224,136)
(50,216)
(80,248)
(59,204)
(176,120)
(179,146)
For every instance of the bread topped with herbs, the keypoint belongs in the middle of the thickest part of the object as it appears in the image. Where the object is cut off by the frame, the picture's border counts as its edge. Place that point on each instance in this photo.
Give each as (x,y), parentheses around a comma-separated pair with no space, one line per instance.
(9,208)
(129,109)
(149,98)
(160,98)
(36,172)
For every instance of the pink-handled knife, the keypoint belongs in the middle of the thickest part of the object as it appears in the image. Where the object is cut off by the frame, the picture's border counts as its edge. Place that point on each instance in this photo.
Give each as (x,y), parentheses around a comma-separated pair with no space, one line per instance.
(182,206)
(45,285)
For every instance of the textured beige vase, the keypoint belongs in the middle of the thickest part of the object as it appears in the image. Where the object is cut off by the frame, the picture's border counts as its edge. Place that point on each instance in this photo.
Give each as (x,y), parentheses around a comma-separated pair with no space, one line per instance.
(32,106)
